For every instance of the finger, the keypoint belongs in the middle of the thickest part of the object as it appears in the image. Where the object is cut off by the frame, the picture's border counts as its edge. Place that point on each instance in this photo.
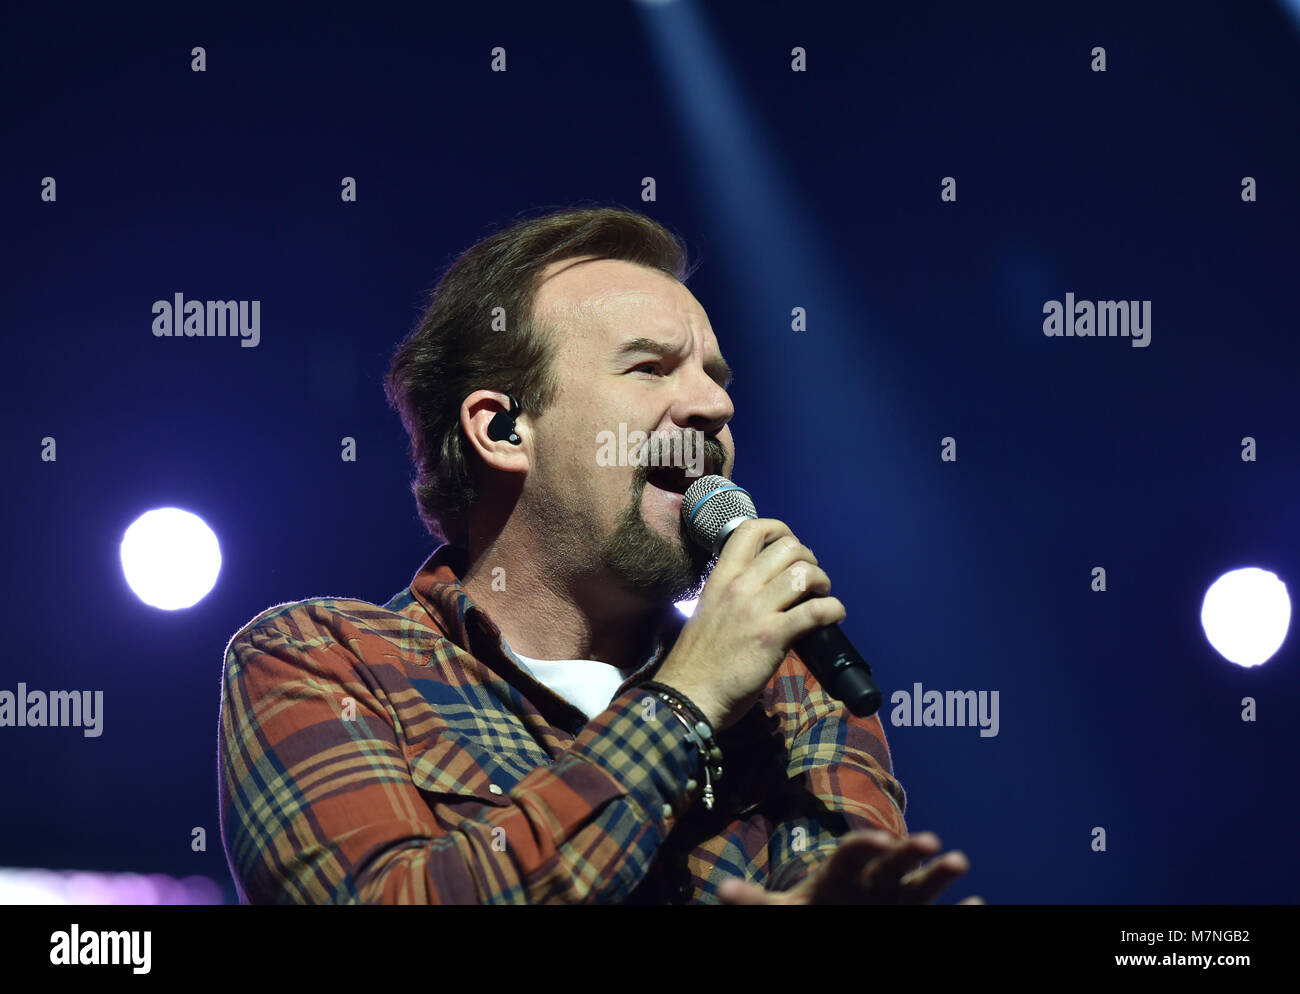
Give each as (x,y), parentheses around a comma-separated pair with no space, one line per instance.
(817,612)
(796,583)
(749,538)
(855,850)
(839,882)
(780,555)
(737,891)
(923,886)
(886,872)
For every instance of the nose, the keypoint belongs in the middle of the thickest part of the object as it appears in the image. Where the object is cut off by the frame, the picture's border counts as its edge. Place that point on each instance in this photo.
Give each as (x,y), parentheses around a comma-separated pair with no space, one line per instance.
(702,404)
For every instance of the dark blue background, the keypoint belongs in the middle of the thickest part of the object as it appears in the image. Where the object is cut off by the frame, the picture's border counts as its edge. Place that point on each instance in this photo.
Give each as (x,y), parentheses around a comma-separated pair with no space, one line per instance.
(925,321)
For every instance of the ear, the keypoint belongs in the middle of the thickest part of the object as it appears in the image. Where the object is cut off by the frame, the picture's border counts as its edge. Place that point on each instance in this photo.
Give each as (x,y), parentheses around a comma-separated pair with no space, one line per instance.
(476,413)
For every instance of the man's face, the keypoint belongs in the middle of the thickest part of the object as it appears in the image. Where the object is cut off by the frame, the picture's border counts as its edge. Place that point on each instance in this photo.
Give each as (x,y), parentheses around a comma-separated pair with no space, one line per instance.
(633,348)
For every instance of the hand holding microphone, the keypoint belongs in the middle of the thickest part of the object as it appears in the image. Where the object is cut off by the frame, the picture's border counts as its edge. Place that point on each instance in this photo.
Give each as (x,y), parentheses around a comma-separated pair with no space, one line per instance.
(754,607)
(766,594)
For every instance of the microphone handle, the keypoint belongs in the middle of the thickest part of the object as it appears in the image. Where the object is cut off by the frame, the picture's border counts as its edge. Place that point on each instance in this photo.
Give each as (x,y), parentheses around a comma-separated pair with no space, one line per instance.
(840,669)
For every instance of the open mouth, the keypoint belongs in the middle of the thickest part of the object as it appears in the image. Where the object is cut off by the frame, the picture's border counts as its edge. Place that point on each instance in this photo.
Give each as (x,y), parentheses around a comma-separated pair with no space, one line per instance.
(670,478)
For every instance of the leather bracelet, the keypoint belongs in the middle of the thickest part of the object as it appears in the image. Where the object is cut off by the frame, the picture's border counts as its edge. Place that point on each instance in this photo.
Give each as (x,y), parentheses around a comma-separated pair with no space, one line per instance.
(695,713)
(698,732)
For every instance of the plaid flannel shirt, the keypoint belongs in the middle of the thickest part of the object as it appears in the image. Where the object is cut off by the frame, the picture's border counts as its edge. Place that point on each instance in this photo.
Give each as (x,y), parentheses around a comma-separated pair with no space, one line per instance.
(398,755)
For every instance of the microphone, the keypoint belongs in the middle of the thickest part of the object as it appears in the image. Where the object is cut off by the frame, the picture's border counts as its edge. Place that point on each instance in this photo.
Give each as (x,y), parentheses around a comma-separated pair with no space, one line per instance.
(712,509)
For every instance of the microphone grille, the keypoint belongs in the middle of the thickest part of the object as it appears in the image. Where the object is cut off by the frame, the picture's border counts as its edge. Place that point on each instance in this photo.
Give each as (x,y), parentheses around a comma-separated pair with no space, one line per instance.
(710,504)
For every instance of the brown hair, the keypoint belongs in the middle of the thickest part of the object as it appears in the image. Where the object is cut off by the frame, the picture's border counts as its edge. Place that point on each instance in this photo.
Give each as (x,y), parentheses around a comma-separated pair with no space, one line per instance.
(453,350)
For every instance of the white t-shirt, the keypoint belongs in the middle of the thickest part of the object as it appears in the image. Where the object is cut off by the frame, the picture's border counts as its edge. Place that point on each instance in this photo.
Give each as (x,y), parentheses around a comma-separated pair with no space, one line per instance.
(586,683)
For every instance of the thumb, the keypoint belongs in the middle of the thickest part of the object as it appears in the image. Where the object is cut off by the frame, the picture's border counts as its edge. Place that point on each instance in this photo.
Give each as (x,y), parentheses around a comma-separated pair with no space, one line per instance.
(737,891)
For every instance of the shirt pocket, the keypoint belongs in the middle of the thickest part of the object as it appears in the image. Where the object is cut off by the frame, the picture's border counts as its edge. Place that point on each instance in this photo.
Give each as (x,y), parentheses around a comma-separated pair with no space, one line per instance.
(453,774)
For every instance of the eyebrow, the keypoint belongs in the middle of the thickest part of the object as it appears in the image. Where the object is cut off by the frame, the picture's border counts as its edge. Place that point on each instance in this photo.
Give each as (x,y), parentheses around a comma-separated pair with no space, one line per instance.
(716,368)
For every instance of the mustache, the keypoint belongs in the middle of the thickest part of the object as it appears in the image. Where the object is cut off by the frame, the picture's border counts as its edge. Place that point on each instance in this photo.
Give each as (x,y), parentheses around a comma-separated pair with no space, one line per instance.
(715,456)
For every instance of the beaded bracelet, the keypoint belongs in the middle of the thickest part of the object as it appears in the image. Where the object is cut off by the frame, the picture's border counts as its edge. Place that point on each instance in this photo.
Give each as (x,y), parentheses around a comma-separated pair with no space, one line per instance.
(698,732)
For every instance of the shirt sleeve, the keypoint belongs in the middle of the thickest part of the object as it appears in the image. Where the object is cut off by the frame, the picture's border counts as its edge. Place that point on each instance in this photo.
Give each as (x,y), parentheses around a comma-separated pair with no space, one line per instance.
(318,805)
(841,769)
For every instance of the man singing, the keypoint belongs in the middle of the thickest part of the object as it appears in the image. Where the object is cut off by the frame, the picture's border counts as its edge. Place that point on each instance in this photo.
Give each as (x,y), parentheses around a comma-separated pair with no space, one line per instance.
(532,721)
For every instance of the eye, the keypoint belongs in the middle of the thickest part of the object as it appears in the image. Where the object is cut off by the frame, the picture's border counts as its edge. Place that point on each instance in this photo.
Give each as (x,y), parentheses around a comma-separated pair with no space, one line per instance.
(652,366)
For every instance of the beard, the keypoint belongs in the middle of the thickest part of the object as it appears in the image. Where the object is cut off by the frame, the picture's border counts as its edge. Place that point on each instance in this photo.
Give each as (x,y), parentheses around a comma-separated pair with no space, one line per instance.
(647,563)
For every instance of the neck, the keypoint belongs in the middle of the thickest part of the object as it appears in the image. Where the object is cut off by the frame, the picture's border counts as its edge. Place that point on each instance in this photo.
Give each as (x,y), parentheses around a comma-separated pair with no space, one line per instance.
(549,607)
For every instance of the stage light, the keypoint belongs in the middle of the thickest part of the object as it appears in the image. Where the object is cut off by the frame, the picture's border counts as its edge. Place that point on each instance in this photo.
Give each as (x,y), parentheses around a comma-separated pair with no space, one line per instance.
(1292,8)
(1245,614)
(170,558)
(35,885)
(688,607)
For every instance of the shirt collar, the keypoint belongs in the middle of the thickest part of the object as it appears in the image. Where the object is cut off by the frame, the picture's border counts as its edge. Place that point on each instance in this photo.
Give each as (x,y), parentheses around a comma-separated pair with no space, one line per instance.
(437,587)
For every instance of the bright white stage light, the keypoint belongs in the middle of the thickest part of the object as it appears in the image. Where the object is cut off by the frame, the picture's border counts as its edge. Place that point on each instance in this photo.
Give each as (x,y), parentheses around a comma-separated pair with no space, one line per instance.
(170,558)
(21,885)
(688,607)
(1246,614)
